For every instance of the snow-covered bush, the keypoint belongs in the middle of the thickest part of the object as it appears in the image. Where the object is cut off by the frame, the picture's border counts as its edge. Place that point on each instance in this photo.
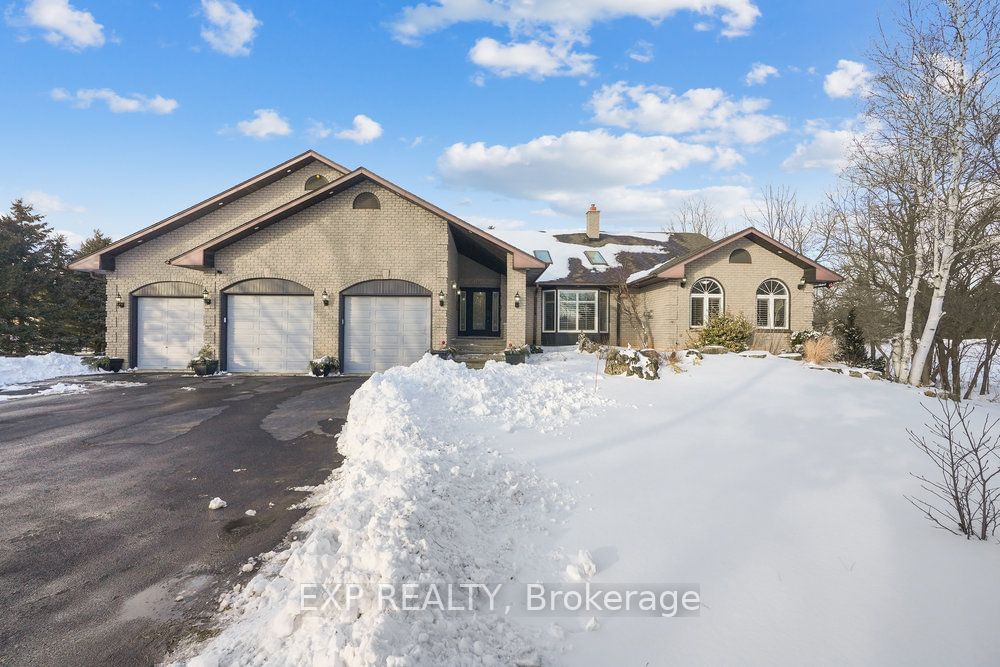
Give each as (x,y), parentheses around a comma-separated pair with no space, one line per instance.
(324,365)
(584,344)
(799,338)
(733,332)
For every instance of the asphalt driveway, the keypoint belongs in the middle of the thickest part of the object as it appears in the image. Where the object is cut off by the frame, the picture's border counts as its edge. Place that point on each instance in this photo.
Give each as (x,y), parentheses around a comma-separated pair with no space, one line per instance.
(108,551)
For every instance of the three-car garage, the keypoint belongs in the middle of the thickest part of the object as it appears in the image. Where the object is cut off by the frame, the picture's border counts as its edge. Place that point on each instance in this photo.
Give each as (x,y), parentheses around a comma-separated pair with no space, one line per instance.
(267,325)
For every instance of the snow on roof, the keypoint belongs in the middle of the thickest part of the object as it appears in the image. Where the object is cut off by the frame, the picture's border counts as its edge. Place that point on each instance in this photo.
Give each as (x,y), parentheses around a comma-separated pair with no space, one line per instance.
(563,251)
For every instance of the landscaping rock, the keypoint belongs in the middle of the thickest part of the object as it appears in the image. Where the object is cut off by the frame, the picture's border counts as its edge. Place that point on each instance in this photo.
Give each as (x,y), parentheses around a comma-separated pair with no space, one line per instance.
(638,363)
(714,349)
(794,356)
(584,344)
(755,354)
(839,371)
(854,374)
(693,353)
(873,375)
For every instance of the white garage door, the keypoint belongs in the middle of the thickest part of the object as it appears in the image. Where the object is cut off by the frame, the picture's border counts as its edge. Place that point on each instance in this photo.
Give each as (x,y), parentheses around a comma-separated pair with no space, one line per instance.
(271,334)
(170,331)
(385,331)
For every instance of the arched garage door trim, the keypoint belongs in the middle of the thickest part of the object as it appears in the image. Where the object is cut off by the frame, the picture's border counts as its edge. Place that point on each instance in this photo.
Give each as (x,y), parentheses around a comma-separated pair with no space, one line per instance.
(415,309)
(260,287)
(167,289)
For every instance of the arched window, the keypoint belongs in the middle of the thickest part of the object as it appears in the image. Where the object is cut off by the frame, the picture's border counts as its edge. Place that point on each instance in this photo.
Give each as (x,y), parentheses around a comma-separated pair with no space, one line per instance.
(316,181)
(706,301)
(739,256)
(366,200)
(772,305)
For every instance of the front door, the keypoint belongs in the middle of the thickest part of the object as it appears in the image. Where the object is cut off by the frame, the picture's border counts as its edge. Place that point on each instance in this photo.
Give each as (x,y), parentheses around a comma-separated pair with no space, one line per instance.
(479,312)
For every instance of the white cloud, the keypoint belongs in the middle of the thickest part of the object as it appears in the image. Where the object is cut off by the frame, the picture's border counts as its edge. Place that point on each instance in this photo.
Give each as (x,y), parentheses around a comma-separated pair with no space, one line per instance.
(849,79)
(707,113)
(317,130)
(532,59)
(544,33)
(572,162)
(560,17)
(266,123)
(231,28)
(641,51)
(63,24)
(759,74)
(363,131)
(826,148)
(47,204)
(132,103)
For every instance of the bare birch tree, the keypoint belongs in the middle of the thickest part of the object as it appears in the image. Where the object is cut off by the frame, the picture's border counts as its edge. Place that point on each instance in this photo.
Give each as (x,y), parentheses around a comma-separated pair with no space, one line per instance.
(779,214)
(696,214)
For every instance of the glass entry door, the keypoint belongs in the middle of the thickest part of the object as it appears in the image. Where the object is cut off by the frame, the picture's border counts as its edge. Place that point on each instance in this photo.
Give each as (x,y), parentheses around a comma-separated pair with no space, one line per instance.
(479,312)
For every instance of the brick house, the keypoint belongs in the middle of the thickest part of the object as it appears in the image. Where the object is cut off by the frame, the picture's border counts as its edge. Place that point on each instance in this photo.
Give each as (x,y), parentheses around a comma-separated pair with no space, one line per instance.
(310,258)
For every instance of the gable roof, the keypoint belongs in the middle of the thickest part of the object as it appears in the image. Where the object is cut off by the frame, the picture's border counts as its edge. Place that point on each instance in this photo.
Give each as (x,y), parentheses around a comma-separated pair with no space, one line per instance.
(103,260)
(675,268)
(203,256)
(625,253)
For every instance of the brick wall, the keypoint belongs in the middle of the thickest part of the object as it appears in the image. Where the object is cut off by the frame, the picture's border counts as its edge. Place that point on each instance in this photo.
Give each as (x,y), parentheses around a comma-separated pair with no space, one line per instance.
(670,302)
(328,246)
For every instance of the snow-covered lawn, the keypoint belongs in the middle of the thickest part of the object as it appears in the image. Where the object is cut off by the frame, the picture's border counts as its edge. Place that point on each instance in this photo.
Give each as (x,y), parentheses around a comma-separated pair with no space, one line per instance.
(776,489)
(21,370)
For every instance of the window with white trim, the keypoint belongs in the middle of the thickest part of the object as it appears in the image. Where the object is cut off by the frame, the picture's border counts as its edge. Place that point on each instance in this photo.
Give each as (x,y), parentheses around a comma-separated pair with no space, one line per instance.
(706,301)
(574,311)
(772,305)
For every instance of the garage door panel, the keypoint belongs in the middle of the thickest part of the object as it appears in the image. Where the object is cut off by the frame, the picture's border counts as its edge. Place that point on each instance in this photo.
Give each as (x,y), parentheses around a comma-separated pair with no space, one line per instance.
(382,332)
(270,333)
(169,331)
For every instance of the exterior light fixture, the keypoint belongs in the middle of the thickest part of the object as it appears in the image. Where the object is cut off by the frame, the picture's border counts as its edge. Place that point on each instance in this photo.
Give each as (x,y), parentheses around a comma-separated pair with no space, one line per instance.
(684,281)
(205,297)
(326,298)
(802,283)
(441,298)
(517,300)
(454,286)
(119,301)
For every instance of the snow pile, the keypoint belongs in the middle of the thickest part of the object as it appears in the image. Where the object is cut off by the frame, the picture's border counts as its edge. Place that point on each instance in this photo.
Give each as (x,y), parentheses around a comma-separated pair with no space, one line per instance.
(18,370)
(421,498)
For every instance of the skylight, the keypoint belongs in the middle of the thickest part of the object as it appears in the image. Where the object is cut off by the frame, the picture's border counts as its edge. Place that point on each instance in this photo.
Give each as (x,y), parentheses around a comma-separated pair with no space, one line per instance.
(543,255)
(595,258)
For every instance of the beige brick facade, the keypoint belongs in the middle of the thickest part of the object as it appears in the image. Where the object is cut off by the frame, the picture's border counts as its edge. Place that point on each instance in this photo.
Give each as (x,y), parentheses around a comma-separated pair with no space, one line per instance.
(328,246)
(670,303)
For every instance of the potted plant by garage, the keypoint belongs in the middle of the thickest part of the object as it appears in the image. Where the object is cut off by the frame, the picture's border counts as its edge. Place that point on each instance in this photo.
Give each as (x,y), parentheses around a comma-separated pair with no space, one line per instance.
(107,364)
(445,351)
(205,363)
(515,355)
(323,366)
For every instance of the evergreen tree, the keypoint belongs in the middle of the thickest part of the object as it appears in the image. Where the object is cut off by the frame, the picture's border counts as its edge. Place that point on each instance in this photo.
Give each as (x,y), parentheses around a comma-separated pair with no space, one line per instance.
(90,295)
(851,341)
(24,278)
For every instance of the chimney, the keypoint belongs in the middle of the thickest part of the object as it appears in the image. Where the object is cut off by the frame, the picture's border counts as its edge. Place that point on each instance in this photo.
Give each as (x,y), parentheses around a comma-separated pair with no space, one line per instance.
(593,223)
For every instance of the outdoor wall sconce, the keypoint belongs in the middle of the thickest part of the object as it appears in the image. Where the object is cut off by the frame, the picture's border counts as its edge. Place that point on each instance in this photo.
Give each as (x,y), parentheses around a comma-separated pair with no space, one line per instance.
(684,281)
(119,301)
(454,286)
(517,300)
(441,298)
(326,298)
(802,283)
(205,297)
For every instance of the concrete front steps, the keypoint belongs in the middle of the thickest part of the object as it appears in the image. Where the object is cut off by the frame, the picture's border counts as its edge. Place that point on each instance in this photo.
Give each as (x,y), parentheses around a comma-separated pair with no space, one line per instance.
(474,352)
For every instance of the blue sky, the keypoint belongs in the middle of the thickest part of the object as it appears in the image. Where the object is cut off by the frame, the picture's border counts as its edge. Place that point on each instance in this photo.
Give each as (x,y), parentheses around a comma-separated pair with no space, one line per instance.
(120,113)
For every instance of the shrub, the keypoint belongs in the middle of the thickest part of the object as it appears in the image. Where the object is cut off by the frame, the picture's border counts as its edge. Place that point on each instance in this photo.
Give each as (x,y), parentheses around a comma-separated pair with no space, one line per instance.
(851,341)
(206,353)
(819,350)
(799,338)
(733,332)
(324,365)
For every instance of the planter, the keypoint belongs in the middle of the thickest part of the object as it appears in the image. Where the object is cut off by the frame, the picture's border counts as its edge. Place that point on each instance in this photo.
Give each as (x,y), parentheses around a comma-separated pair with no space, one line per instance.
(206,367)
(514,358)
(112,365)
